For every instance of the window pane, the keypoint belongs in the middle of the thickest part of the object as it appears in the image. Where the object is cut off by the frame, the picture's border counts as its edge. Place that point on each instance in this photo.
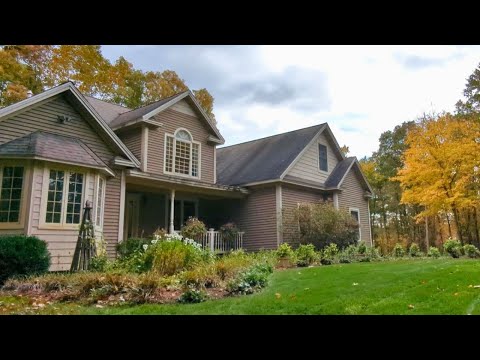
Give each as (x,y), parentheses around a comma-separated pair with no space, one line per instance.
(13,216)
(99,210)
(322,157)
(74,198)
(182,158)
(195,160)
(55,197)
(169,155)
(183,135)
(11,193)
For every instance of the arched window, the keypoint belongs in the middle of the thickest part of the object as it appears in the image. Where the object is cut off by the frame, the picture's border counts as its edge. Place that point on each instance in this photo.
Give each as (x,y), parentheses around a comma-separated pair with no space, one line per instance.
(182,154)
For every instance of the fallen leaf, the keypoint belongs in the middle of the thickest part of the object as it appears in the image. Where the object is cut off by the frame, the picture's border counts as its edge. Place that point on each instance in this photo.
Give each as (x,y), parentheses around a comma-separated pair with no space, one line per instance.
(470,286)
(278,295)
(477,286)
(99,306)
(411,306)
(307,289)
(355,284)
(456,294)
(299,273)
(41,305)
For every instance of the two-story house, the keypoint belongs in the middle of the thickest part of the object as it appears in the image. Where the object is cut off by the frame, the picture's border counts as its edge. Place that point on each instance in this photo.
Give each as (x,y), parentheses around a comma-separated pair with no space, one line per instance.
(155,166)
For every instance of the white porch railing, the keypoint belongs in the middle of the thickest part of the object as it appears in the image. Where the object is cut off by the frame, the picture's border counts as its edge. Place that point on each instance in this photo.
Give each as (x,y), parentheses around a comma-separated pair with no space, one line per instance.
(213,240)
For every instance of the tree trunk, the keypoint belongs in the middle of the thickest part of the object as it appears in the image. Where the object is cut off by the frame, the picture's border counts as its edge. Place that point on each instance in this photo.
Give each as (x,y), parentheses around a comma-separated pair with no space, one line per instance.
(449,226)
(457,222)
(427,245)
(475,222)
(440,228)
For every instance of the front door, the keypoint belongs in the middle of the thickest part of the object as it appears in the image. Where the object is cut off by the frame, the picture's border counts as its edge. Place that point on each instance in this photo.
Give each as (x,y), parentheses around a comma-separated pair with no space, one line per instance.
(132,214)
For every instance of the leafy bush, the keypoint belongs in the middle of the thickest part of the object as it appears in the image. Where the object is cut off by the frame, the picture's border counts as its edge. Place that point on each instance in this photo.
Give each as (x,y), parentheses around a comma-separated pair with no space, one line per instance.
(433,252)
(414,250)
(453,248)
(247,282)
(99,264)
(330,251)
(127,247)
(171,257)
(471,250)
(398,251)
(229,231)
(192,296)
(22,255)
(319,224)
(306,255)
(373,253)
(362,247)
(203,276)
(193,228)
(284,251)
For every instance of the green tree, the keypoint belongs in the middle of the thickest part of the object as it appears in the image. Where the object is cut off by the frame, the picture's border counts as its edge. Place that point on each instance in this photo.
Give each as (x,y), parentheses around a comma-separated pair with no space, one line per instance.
(471,93)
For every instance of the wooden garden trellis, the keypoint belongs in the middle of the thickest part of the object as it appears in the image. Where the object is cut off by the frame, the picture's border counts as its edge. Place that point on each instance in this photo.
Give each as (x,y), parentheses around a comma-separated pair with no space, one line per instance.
(85,249)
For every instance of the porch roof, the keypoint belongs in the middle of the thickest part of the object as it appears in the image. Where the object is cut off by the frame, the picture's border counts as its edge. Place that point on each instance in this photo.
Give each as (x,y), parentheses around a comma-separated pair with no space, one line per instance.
(187,184)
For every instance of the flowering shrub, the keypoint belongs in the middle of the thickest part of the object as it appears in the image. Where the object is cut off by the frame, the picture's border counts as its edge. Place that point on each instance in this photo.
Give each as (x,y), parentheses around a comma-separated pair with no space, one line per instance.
(398,251)
(471,250)
(193,228)
(414,250)
(229,231)
(306,255)
(433,252)
(192,296)
(284,251)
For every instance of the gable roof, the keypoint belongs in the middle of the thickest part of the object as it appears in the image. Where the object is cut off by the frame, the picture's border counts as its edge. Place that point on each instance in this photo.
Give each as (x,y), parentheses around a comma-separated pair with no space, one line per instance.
(146,112)
(339,173)
(107,110)
(262,159)
(58,148)
(78,97)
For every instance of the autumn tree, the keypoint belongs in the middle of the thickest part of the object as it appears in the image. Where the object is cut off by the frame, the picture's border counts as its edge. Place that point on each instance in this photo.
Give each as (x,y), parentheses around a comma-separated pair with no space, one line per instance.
(471,93)
(31,69)
(442,163)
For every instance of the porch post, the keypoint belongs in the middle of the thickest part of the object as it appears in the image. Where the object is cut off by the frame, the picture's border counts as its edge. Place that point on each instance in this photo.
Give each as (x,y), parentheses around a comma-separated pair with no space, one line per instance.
(172,204)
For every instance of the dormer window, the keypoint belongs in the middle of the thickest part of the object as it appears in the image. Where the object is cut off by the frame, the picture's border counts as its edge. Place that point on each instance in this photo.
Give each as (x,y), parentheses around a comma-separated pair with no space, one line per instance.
(182,154)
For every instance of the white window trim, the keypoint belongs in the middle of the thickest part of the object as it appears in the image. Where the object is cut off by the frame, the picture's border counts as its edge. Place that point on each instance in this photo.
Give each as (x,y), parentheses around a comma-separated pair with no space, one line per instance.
(99,226)
(318,157)
(189,176)
(43,206)
(350,209)
(26,177)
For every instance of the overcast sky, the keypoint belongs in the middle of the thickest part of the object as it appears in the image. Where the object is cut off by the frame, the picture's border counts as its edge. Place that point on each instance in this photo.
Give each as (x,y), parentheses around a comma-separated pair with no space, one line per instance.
(360,91)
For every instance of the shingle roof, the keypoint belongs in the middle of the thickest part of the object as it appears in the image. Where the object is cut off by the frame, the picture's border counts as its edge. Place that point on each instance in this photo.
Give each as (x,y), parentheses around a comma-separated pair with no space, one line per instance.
(261,159)
(107,111)
(51,146)
(339,172)
(139,112)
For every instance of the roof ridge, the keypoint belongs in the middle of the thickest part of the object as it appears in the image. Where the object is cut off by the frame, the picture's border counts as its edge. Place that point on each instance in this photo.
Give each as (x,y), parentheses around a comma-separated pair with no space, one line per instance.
(108,102)
(153,102)
(270,136)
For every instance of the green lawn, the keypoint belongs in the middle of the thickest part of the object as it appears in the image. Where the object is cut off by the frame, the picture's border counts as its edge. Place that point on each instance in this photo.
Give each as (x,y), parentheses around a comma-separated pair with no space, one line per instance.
(395,287)
(400,287)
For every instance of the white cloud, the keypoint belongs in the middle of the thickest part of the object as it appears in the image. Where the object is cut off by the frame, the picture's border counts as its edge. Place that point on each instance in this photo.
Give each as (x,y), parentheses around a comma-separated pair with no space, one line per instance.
(361,91)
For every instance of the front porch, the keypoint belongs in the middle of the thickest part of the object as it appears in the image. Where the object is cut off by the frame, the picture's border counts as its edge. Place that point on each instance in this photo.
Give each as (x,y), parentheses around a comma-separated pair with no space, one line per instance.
(153,203)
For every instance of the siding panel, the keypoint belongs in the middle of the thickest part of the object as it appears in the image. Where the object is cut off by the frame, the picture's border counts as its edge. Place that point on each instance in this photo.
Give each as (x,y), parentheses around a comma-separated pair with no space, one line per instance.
(112,212)
(133,139)
(307,166)
(352,196)
(171,121)
(256,215)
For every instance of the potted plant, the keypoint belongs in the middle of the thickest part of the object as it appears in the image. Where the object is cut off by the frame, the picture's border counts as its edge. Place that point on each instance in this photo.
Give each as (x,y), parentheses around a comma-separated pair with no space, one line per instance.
(284,255)
(229,231)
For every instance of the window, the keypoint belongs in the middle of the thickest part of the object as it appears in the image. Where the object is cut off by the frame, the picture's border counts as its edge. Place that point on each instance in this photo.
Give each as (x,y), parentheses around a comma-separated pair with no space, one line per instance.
(100,202)
(11,185)
(182,154)
(322,157)
(64,198)
(355,213)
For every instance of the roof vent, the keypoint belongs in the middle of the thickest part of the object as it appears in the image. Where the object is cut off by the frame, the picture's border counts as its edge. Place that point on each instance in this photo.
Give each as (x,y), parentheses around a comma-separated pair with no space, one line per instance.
(63,119)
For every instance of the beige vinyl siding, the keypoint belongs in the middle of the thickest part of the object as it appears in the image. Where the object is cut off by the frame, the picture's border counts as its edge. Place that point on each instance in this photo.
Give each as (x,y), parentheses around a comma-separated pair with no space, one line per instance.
(112,212)
(133,139)
(61,242)
(352,195)
(307,166)
(172,120)
(256,216)
(43,116)
(183,107)
(291,197)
